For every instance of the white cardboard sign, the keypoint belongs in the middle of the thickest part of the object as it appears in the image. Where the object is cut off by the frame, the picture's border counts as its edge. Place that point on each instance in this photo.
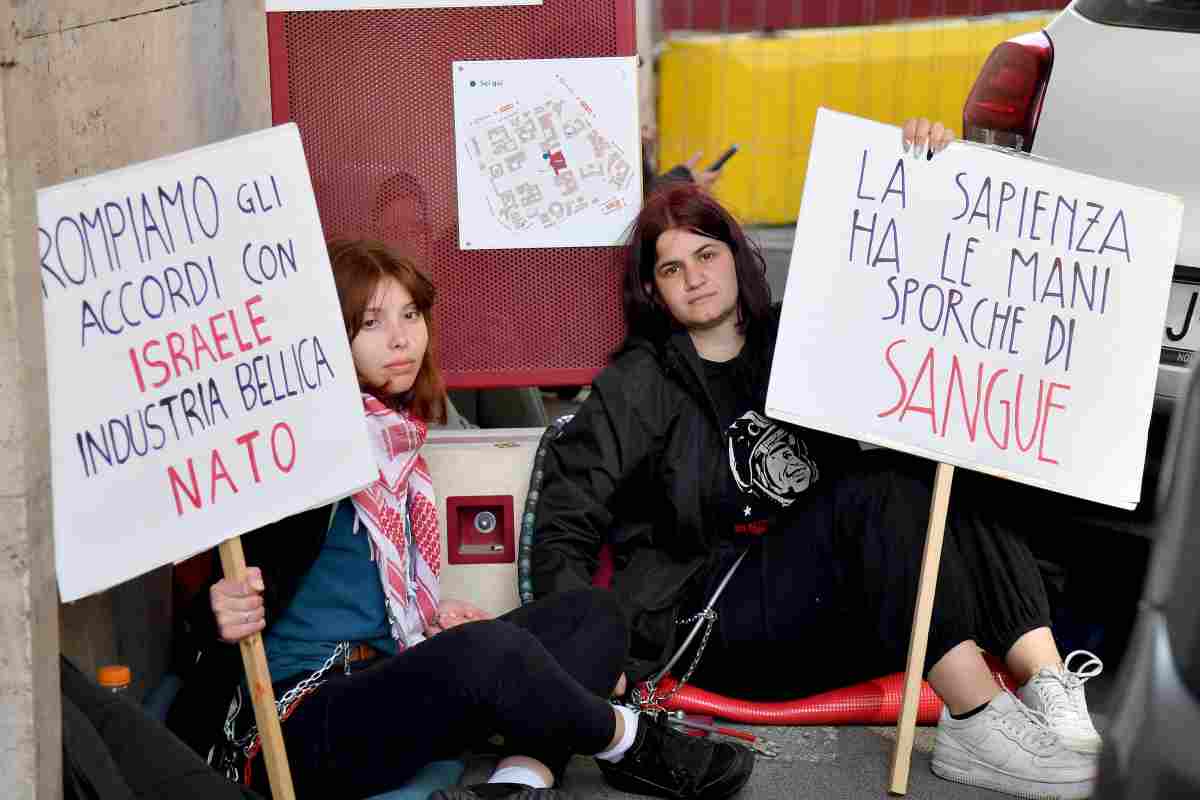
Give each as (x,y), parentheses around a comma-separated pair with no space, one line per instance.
(375,5)
(200,380)
(986,310)
(548,152)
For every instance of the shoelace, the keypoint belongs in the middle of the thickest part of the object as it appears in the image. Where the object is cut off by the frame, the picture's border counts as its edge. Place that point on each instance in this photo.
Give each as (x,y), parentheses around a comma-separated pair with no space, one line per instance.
(1036,728)
(1063,696)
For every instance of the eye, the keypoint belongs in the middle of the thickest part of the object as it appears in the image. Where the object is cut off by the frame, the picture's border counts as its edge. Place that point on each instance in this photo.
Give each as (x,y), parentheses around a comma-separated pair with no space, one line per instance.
(412,316)
(708,255)
(369,323)
(668,270)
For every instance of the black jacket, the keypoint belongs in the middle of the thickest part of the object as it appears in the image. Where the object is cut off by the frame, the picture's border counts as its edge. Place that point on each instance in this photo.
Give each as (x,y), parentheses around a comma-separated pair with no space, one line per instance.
(640,466)
(211,670)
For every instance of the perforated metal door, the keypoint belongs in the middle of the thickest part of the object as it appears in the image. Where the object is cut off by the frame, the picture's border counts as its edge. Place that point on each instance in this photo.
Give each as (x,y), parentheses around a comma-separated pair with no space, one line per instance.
(371,93)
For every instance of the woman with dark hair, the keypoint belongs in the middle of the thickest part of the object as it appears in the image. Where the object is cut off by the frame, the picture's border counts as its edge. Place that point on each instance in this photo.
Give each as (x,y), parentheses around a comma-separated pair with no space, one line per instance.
(377,674)
(673,463)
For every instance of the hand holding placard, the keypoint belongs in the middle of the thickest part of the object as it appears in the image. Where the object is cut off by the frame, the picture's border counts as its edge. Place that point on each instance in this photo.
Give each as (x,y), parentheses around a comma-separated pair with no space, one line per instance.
(983,301)
(201,383)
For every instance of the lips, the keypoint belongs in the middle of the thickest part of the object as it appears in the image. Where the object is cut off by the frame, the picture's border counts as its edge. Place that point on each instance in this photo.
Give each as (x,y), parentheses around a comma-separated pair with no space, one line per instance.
(701,298)
(401,364)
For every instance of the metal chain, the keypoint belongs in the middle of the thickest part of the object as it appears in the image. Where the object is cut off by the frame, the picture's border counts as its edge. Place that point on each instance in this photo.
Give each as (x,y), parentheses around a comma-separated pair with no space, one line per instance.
(245,742)
(649,700)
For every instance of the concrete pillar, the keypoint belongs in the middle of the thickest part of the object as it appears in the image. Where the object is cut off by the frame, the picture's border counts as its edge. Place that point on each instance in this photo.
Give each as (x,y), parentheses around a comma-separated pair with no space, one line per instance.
(647,36)
(30,715)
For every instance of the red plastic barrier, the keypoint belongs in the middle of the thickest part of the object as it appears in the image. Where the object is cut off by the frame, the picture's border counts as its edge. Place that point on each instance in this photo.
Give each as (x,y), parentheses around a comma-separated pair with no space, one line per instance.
(873,702)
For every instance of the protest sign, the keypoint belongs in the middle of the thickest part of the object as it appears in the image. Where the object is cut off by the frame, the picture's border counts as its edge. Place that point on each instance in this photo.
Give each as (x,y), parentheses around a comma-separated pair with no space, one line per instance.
(200,380)
(983,309)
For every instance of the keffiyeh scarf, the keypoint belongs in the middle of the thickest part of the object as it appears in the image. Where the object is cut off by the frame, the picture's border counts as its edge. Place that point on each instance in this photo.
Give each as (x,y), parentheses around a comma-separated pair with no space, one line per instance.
(408,567)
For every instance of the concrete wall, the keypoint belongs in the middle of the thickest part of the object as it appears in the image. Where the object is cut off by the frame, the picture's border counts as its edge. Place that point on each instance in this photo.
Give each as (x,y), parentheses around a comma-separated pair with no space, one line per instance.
(87,85)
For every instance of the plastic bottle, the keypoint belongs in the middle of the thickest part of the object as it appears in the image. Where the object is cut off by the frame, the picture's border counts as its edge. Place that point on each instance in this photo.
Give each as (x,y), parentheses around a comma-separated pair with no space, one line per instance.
(115,678)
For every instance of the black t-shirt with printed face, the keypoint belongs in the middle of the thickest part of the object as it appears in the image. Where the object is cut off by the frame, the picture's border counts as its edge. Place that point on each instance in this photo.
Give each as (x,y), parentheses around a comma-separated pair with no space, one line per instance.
(769,465)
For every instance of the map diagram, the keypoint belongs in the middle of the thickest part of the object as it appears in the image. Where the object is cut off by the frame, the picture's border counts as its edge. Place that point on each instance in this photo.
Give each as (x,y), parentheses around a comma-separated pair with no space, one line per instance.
(541,165)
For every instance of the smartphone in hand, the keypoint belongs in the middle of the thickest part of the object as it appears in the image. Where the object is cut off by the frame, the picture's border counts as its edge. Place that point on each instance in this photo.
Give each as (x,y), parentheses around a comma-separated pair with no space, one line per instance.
(720,162)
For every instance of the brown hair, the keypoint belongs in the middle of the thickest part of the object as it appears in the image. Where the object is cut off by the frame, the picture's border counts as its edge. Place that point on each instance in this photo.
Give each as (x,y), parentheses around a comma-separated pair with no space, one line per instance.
(358,267)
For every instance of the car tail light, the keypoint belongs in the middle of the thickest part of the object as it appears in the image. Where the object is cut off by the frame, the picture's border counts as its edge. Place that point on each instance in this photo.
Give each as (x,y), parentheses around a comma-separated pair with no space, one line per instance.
(1006,100)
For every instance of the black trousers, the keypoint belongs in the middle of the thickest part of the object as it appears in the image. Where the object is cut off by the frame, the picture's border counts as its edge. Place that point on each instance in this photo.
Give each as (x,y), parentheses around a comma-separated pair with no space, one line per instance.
(826,598)
(540,676)
(113,750)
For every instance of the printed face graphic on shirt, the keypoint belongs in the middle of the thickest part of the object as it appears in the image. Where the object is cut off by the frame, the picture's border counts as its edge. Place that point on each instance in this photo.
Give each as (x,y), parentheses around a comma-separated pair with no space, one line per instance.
(769,461)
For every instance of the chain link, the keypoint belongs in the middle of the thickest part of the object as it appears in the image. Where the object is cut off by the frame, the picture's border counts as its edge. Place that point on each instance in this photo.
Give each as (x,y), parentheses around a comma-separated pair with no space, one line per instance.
(246,743)
(649,700)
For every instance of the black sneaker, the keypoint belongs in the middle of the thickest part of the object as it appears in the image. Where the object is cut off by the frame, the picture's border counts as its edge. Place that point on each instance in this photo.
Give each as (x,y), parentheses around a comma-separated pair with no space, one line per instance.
(498,791)
(667,763)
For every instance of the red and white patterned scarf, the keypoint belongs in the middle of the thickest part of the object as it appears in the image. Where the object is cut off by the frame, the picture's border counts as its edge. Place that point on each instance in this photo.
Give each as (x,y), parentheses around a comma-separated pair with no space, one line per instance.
(408,568)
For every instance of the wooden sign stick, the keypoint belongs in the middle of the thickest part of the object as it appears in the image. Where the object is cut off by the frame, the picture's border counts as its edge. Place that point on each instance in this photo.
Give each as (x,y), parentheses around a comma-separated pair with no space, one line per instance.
(919,637)
(262,694)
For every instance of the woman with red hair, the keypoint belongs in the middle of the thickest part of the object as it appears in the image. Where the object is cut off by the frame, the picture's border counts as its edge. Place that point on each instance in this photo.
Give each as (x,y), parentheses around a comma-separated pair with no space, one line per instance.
(377,673)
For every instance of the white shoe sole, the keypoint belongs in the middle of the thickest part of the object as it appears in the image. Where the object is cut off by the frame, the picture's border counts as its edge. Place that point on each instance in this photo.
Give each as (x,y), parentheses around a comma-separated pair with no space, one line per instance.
(974,772)
(1091,745)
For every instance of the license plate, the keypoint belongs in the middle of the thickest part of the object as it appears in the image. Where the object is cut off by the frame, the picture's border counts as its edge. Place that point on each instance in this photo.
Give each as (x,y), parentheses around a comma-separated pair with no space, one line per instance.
(1181,336)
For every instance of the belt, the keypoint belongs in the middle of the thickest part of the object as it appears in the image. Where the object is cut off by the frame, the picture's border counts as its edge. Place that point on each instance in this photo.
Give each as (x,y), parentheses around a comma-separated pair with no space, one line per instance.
(361,651)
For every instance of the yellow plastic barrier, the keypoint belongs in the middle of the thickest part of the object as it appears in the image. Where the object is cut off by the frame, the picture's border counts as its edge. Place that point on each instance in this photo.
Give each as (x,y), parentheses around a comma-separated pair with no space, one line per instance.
(762,91)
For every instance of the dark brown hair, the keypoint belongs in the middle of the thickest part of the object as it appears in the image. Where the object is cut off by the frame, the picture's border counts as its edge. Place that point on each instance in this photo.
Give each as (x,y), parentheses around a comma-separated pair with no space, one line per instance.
(358,267)
(685,205)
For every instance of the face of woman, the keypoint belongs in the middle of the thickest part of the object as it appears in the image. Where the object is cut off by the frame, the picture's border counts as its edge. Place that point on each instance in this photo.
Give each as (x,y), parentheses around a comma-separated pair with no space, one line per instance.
(696,280)
(390,346)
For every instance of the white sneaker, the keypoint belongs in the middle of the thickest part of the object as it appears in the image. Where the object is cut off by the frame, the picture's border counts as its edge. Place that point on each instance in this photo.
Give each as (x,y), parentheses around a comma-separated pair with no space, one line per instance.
(1058,695)
(1008,747)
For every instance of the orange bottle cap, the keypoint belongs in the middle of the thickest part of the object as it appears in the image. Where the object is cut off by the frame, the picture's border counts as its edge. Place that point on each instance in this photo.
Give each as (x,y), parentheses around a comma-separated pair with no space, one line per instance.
(113,676)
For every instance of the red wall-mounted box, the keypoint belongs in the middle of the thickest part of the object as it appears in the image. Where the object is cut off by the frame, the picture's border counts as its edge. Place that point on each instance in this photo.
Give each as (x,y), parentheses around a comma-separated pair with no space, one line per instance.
(480,530)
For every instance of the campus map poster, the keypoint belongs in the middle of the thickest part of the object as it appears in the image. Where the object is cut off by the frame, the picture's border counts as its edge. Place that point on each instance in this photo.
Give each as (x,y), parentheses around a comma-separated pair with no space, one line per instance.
(547,152)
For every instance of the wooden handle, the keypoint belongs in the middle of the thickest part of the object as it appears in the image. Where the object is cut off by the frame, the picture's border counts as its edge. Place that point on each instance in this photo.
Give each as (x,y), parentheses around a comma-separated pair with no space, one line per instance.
(919,637)
(262,694)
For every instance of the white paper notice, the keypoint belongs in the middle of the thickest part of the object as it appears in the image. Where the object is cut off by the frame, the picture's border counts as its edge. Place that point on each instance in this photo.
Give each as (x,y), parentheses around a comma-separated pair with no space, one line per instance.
(378,5)
(982,309)
(547,152)
(200,380)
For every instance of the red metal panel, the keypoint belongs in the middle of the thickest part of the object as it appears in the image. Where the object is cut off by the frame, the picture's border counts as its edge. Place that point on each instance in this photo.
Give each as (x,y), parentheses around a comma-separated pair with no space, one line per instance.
(371,92)
(277,61)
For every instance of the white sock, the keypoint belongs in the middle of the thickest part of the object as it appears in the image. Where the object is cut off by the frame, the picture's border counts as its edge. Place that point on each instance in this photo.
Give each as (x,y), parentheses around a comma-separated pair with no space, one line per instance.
(522,775)
(617,751)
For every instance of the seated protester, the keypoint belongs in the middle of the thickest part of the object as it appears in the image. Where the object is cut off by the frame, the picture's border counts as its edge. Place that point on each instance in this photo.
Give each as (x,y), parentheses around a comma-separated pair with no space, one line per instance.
(672,462)
(378,674)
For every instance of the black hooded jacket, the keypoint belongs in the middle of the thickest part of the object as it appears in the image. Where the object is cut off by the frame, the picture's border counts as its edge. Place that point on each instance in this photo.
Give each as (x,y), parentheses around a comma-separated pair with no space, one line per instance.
(642,466)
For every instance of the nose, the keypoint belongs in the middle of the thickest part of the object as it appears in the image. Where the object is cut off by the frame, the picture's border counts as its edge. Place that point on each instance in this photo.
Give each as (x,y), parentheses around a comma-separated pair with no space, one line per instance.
(693,276)
(398,337)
